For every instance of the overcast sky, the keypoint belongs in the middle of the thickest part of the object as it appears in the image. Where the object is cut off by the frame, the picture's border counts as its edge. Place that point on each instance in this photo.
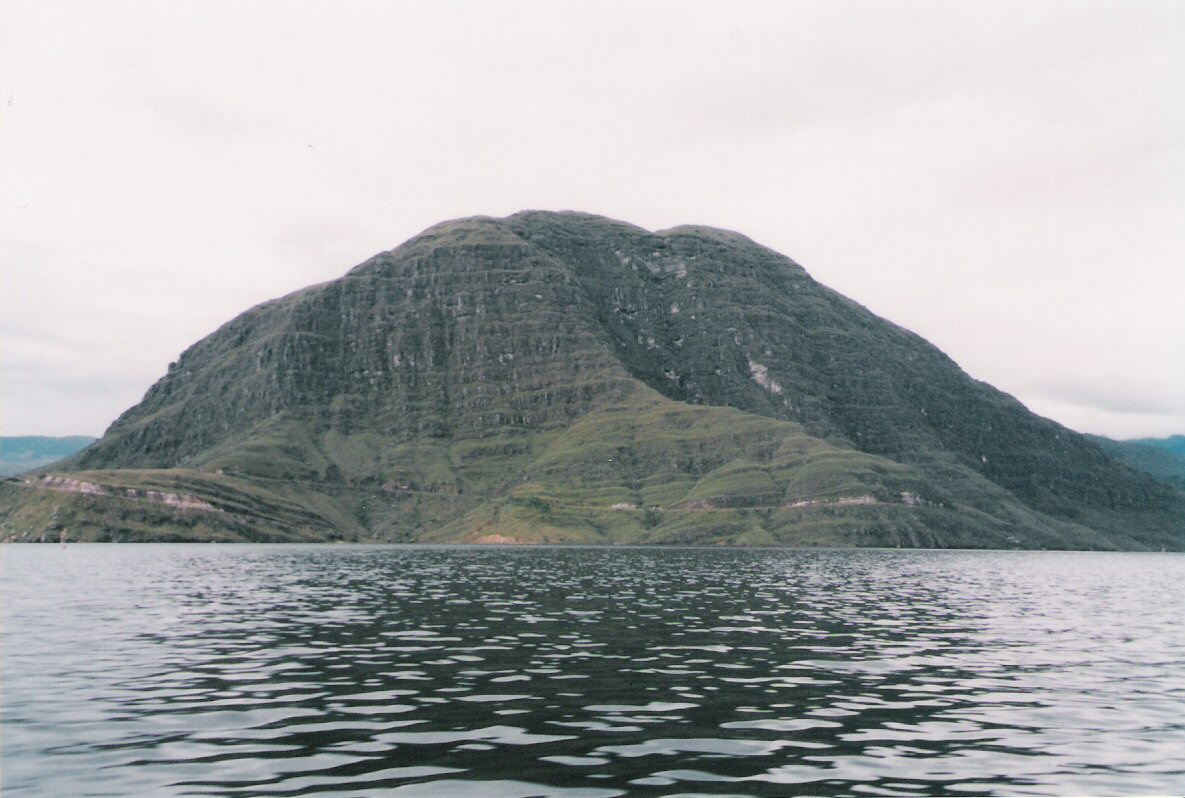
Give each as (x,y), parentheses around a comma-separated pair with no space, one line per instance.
(1006,179)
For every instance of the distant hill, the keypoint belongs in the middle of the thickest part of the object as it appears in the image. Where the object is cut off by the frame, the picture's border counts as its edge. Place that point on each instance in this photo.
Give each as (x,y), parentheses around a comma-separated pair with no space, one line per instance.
(1163,458)
(563,377)
(1173,443)
(19,454)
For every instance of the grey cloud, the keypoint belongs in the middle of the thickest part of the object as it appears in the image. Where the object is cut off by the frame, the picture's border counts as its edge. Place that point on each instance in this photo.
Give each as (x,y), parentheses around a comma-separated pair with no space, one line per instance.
(1002,177)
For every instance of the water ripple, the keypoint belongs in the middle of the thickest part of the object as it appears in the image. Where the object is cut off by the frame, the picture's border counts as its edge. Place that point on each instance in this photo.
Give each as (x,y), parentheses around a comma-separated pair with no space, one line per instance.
(588,673)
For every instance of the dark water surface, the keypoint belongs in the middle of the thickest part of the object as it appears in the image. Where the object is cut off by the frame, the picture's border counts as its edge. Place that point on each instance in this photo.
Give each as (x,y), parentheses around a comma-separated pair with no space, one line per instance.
(409,671)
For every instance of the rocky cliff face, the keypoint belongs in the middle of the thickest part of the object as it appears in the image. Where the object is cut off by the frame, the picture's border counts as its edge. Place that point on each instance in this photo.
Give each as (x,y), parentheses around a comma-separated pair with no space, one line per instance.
(464,330)
(568,377)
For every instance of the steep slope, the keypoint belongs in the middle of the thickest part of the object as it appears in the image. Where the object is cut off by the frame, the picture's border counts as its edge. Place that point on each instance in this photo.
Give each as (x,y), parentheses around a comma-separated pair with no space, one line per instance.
(710,317)
(567,377)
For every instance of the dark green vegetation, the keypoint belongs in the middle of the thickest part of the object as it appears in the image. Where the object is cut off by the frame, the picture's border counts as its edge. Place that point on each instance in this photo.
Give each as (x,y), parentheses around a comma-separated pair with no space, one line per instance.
(19,454)
(1163,458)
(568,378)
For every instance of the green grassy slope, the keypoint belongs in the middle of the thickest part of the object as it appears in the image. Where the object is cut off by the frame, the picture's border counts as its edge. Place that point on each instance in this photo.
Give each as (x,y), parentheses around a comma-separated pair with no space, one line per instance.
(644,470)
(133,506)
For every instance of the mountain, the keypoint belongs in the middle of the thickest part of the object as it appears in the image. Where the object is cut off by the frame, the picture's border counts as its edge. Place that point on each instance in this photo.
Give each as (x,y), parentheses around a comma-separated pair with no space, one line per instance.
(19,454)
(563,377)
(1163,458)
(1174,444)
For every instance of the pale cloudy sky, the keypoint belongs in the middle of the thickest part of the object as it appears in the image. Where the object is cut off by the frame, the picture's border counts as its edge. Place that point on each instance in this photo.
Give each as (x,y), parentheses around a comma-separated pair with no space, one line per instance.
(1005,178)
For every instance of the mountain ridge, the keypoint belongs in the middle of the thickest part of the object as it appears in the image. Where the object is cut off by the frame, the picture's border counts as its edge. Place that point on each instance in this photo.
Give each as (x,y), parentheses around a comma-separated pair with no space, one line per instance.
(450,388)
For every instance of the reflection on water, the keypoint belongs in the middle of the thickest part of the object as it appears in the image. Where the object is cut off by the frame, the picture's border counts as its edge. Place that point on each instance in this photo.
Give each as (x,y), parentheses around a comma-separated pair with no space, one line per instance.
(208,670)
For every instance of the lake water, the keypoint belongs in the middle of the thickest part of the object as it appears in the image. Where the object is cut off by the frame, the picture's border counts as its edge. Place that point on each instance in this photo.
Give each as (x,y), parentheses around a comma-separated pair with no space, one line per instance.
(588,672)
